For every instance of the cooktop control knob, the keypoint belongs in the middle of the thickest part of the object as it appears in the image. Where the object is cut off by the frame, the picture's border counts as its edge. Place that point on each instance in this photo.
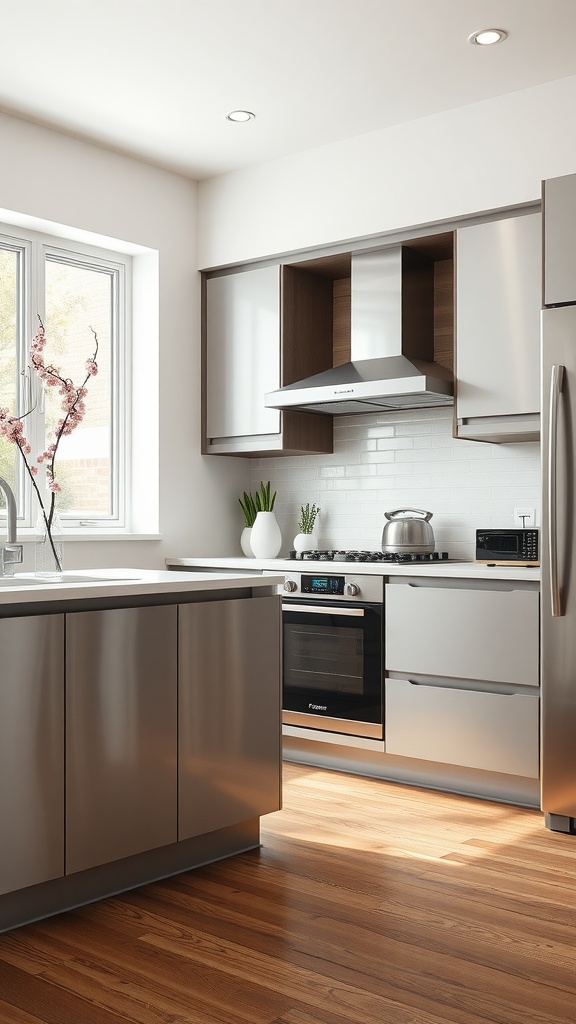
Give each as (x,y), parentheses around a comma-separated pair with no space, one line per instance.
(290,586)
(352,589)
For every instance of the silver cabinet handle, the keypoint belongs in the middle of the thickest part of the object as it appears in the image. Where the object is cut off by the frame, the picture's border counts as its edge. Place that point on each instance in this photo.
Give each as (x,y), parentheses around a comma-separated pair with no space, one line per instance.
(556,385)
(321,610)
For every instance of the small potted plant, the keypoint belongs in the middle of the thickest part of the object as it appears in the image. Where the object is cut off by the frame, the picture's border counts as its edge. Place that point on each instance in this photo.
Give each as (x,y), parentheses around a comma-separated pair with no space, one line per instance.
(265,538)
(305,540)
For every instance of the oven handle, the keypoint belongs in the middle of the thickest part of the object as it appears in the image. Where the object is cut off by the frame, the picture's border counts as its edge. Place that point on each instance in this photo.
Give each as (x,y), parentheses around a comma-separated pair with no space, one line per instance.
(322,610)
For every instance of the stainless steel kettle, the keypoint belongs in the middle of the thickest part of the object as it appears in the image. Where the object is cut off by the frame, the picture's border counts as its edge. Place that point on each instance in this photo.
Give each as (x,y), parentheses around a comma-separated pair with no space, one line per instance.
(408,533)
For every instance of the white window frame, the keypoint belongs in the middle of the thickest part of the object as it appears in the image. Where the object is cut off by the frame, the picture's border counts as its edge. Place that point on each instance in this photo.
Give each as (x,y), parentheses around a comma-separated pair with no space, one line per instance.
(35,248)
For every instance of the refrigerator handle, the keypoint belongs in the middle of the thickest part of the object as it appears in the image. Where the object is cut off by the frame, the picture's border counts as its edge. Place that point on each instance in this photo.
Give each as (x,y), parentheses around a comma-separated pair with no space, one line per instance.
(556,385)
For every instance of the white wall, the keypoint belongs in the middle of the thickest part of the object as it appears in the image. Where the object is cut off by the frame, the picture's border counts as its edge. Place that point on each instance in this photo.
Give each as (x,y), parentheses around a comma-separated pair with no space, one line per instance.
(488,155)
(386,461)
(480,157)
(51,176)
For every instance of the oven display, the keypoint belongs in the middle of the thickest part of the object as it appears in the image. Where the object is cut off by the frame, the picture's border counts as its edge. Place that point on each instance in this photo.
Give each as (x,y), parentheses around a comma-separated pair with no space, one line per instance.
(322,585)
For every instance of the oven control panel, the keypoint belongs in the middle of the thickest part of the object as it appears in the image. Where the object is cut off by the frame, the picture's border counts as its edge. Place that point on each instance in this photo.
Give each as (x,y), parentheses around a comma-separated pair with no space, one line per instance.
(334,587)
(328,586)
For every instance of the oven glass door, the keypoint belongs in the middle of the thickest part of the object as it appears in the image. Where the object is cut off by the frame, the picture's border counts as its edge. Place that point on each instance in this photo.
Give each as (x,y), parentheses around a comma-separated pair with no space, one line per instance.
(332,661)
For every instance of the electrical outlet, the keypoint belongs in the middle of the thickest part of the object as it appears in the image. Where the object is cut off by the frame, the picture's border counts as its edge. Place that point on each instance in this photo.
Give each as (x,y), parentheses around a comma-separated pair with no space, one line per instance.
(525,517)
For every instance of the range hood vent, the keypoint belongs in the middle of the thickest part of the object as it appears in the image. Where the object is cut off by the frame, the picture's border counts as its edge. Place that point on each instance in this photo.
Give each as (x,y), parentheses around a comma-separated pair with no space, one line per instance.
(392,344)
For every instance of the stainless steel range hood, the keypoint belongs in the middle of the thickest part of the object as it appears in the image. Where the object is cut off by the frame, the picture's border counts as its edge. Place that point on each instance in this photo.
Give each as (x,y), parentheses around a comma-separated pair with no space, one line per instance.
(392,343)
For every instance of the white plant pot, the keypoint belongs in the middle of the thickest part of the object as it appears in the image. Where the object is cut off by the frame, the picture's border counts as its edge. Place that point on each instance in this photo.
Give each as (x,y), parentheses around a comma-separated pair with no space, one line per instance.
(245,541)
(265,539)
(305,542)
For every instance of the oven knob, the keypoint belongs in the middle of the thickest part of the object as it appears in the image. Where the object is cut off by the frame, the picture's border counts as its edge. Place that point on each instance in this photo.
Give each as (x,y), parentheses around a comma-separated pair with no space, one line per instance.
(290,586)
(352,589)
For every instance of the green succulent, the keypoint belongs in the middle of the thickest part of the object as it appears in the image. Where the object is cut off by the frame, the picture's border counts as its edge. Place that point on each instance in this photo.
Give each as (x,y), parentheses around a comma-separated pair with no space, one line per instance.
(249,508)
(263,500)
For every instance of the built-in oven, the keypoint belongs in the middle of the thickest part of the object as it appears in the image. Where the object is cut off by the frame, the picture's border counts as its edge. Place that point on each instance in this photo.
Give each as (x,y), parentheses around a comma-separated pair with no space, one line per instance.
(332,653)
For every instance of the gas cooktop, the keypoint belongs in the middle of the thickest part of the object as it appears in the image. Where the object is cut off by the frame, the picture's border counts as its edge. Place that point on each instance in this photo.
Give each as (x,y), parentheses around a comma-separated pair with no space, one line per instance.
(369,556)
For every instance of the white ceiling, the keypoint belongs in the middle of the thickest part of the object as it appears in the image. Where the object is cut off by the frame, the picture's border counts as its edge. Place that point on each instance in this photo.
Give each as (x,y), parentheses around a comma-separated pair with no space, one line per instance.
(155,78)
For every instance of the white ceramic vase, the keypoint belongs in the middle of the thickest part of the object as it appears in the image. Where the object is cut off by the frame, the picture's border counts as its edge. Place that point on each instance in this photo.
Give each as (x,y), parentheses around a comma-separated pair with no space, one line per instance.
(305,542)
(265,539)
(245,541)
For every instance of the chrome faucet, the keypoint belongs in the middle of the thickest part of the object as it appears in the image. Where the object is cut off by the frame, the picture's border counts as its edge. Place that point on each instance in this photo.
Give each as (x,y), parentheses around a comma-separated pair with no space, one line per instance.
(11,552)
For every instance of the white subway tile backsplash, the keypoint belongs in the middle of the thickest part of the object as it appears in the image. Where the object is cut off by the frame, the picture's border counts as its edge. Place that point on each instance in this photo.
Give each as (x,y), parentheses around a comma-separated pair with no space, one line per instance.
(364,469)
(387,467)
(385,461)
(367,444)
(394,444)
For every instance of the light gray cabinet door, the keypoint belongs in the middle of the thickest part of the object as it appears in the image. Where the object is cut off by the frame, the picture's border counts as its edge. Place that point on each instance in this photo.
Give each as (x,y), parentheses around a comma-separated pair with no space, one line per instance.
(559,209)
(242,355)
(121,748)
(498,301)
(463,633)
(31,751)
(496,732)
(229,698)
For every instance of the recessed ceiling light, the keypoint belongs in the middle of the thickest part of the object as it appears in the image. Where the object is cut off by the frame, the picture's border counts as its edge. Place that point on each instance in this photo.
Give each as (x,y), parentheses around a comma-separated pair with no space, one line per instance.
(487,36)
(240,115)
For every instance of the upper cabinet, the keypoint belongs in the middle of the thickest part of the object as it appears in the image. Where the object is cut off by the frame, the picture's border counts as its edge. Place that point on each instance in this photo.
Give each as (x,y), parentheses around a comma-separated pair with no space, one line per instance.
(262,328)
(268,327)
(559,215)
(243,354)
(498,290)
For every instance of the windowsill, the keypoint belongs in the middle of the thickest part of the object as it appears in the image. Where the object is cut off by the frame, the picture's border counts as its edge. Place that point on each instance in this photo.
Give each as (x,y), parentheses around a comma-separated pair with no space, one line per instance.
(29,536)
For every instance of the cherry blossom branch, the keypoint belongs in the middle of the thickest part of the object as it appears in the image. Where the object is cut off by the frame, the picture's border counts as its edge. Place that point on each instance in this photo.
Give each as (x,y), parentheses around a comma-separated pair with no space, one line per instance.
(74,409)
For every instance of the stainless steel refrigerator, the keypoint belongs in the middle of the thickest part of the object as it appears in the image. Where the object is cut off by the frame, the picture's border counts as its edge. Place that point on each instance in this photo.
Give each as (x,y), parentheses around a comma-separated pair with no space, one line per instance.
(558,534)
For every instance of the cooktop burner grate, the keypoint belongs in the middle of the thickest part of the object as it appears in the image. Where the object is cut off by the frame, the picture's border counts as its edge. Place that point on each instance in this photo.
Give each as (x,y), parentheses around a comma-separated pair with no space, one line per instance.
(334,555)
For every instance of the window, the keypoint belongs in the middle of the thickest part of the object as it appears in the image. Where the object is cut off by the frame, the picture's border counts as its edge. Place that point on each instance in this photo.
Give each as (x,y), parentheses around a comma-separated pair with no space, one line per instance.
(78,291)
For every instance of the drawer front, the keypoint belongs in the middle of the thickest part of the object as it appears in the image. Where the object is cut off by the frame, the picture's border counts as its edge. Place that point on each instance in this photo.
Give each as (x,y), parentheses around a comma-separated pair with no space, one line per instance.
(463,633)
(492,731)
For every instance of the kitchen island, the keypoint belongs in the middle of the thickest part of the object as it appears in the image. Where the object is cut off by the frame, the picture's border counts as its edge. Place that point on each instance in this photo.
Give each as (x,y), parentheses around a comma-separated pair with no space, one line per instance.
(139,734)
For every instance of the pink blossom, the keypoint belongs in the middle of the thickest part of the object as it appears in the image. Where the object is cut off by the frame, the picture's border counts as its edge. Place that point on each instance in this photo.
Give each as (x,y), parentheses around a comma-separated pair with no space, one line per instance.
(73,407)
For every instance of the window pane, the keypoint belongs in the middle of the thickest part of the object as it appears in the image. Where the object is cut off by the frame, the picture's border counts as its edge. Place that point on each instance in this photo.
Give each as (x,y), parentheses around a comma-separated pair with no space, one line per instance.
(9,330)
(79,297)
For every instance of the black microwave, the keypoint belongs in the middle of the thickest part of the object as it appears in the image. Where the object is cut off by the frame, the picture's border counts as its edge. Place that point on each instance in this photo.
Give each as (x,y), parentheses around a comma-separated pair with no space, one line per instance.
(507,547)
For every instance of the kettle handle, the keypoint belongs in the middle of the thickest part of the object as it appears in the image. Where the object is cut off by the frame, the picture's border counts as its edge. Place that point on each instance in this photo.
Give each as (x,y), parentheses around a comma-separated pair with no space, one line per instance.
(427,515)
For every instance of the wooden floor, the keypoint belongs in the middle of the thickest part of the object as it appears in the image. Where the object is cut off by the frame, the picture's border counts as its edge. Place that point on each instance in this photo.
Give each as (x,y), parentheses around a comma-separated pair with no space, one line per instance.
(368,902)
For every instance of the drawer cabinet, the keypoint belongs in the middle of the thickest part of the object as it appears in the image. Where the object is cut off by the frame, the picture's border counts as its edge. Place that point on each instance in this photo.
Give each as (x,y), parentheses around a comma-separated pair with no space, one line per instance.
(462,673)
(492,731)
(463,632)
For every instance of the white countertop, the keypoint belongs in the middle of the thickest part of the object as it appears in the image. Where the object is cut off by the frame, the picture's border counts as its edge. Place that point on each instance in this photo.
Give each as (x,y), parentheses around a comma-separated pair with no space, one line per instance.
(455,570)
(25,588)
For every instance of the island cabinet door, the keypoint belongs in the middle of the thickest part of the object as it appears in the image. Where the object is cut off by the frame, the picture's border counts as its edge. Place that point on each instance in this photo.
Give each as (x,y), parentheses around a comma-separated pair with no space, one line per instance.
(121,709)
(31,751)
(230,731)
